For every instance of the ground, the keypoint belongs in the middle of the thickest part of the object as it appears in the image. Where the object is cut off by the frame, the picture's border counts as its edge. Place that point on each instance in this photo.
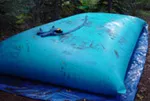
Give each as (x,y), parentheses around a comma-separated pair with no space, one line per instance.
(142,95)
(144,85)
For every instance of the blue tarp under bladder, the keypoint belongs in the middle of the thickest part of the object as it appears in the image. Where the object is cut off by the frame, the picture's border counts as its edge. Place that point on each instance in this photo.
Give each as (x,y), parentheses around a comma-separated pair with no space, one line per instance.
(89,52)
(38,90)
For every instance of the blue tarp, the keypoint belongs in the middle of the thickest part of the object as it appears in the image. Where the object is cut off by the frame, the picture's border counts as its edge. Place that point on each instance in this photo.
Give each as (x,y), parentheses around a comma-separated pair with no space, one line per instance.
(38,90)
(89,52)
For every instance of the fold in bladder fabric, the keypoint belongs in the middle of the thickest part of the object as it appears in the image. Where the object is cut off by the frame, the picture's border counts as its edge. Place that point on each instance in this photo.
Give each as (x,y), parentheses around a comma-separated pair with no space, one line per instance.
(93,56)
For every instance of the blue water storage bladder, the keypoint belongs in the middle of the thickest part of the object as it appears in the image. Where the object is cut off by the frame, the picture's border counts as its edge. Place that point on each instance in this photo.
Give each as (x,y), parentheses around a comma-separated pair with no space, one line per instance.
(88,51)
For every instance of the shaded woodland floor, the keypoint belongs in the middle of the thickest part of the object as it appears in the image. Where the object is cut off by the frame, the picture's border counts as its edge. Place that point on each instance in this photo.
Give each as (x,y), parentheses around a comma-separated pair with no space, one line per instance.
(144,85)
(142,95)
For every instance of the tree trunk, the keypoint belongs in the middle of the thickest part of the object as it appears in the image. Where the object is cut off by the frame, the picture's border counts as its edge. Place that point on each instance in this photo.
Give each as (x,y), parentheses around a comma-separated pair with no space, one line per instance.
(57,9)
(109,6)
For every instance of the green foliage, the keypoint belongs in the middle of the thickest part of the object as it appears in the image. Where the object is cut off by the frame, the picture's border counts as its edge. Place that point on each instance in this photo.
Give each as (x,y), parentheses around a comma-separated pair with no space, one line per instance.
(20,19)
(1,34)
(88,5)
(145,14)
(12,12)
(28,13)
(143,4)
(69,7)
(118,6)
(15,7)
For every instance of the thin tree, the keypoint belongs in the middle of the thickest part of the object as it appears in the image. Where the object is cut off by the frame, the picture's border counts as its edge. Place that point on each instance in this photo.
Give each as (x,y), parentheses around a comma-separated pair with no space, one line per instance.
(109,5)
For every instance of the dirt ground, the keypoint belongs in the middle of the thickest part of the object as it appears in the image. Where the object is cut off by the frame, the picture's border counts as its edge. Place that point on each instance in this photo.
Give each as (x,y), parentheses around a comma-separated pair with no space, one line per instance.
(144,85)
(142,95)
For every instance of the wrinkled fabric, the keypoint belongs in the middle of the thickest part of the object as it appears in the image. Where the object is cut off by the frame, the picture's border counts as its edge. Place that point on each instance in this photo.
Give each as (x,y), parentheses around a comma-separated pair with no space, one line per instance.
(37,90)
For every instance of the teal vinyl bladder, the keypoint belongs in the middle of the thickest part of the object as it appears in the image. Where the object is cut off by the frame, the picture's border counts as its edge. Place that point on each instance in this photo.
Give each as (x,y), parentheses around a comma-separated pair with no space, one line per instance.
(92,53)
